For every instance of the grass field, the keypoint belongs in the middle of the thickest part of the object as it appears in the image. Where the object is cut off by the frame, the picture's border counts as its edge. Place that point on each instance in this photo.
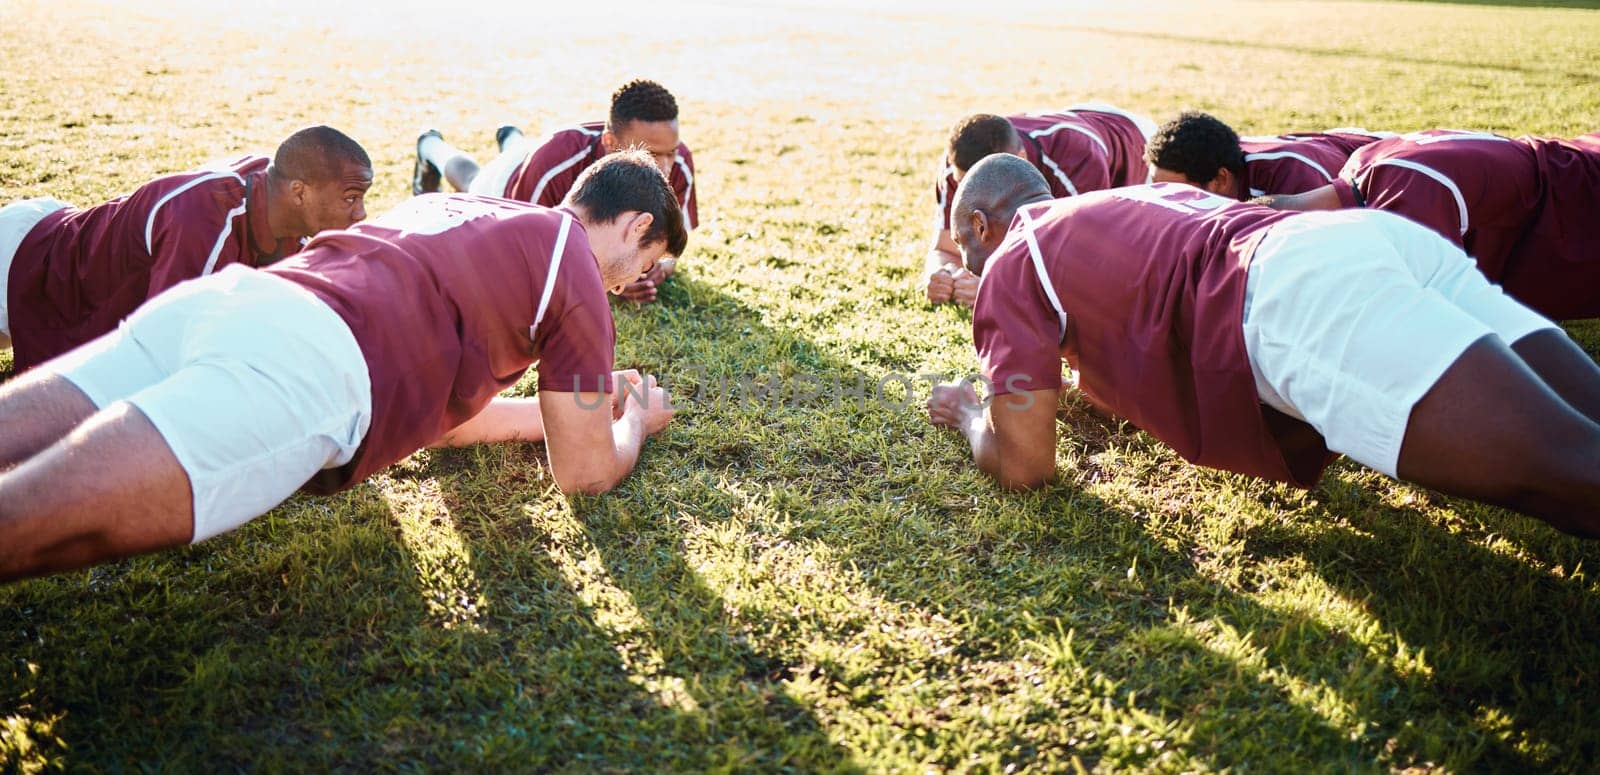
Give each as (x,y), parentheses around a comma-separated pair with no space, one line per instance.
(800,587)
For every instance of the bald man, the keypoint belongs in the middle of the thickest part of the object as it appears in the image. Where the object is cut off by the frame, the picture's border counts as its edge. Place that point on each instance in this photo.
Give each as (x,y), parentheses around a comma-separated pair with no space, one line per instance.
(69,275)
(1258,341)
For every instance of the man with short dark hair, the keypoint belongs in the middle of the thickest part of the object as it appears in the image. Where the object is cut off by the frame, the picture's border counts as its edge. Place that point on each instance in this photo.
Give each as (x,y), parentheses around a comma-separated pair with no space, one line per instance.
(1198,149)
(1082,148)
(643,115)
(1256,341)
(221,397)
(69,275)
(1527,208)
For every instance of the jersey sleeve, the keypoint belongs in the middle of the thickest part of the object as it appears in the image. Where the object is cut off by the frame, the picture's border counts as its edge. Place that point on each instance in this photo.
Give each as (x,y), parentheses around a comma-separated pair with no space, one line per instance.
(684,188)
(547,165)
(187,234)
(577,338)
(1086,166)
(1415,195)
(1015,331)
(944,195)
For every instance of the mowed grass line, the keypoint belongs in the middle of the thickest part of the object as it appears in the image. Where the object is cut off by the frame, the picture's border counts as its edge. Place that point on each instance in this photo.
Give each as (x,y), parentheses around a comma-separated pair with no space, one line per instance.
(816,586)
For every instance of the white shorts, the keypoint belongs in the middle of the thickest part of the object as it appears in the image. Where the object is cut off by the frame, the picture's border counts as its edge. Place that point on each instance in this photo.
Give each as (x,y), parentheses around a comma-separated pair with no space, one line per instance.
(253,382)
(494,176)
(16,220)
(1351,316)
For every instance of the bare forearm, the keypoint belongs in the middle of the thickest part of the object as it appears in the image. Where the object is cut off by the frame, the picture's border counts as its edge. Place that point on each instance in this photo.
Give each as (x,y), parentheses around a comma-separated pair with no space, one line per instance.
(984,446)
(504,419)
(627,440)
(1013,464)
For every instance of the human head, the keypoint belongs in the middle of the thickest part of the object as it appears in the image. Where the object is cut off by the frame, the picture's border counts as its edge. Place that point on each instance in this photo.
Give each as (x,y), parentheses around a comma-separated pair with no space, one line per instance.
(1198,149)
(978,136)
(630,214)
(323,175)
(987,200)
(643,115)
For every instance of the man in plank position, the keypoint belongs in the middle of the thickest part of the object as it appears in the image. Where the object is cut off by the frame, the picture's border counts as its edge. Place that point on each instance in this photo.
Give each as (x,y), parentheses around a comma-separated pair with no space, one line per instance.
(1081,148)
(643,115)
(218,399)
(1527,209)
(1198,149)
(1256,341)
(69,275)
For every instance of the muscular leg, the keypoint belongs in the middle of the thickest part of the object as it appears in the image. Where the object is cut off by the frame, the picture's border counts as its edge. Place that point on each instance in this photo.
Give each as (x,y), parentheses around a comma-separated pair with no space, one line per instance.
(111,489)
(1565,367)
(1490,429)
(37,410)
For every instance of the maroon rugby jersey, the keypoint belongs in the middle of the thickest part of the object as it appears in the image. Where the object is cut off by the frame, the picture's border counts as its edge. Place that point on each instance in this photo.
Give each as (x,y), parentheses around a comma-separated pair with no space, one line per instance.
(79,272)
(1142,294)
(442,294)
(1297,163)
(1524,209)
(547,174)
(1077,150)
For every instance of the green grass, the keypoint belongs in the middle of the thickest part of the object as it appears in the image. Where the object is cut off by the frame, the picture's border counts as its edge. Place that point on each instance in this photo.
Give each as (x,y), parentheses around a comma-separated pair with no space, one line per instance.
(807,587)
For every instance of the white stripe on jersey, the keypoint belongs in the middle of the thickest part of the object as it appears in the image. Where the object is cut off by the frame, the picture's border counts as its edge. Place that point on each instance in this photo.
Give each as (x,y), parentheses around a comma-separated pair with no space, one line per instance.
(1355,130)
(1456,134)
(227,226)
(1146,126)
(1050,130)
(944,192)
(550,276)
(150,224)
(1440,177)
(1044,275)
(554,171)
(1268,155)
(688,194)
(1060,174)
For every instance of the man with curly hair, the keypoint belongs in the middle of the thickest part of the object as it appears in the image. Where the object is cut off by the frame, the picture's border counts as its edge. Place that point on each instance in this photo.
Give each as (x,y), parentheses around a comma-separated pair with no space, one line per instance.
(1199,149)
(1077,149)
(643,115)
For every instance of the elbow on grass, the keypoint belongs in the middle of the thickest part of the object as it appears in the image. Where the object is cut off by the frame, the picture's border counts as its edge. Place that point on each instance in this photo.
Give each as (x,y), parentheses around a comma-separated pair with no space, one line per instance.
(1022,479)
(586,482)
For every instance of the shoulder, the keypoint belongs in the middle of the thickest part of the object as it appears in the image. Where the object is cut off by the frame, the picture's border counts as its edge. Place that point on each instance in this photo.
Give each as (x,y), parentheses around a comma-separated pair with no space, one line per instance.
(190,193)
(570,140)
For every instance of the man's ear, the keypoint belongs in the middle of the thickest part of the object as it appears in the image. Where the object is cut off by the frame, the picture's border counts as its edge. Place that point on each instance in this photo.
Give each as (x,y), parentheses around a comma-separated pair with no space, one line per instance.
(640,224)
(979,222)
(297,191)
(1223,183)
(608,141)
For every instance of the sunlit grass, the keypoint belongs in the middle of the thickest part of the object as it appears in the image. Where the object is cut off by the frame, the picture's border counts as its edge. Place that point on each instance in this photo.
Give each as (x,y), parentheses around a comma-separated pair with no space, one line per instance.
(809,587)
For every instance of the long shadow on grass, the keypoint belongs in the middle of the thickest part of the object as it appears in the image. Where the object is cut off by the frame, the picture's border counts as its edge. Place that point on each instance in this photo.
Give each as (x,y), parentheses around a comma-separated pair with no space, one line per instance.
(425,622)
(830,465)
(820,466)
(1500,604)
(1508,654)
(663,683)
(246,651)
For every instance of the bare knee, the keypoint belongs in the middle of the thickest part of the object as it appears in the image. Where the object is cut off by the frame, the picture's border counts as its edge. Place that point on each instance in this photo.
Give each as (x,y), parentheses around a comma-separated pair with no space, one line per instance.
(1560,484)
